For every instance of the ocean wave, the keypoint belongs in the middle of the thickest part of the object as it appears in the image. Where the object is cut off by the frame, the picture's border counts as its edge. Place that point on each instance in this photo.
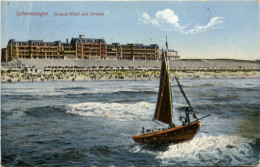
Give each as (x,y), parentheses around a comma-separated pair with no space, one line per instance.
(15,113)
(136,92)
(221,150)
(30,92)
(20,97)
(116,92)
(220,83)
(119,111)
(123,92)
(46,111)
(73,88)
(195,85)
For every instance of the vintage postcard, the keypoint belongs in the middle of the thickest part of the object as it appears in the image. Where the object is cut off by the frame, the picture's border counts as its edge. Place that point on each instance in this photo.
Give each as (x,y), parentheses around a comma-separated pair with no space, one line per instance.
(130,83)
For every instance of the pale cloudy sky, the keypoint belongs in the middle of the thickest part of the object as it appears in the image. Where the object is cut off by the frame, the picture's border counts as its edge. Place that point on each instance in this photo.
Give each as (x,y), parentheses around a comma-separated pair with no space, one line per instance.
(195,29)
(166,20)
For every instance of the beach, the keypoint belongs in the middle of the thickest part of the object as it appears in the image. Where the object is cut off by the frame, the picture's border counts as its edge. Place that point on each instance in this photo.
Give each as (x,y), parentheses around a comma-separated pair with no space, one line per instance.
(42,70)
(92,75)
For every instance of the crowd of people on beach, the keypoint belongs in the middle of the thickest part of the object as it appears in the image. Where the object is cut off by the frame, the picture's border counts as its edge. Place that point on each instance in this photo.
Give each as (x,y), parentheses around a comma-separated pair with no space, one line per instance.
(93,75)
(74,76)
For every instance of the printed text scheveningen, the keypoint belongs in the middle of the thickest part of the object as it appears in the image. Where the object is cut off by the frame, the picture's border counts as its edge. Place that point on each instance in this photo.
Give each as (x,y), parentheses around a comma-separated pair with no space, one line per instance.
(40,14)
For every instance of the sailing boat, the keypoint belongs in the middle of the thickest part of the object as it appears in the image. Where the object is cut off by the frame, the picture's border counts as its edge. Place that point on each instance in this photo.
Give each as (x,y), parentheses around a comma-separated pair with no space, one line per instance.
(163,113)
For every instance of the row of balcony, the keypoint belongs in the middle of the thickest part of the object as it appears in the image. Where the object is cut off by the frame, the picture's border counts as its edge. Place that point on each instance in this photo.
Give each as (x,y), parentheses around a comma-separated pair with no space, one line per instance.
(34,46)
(138,53)
(89,44)
(86,49)
(131,48)
(83,45)
(91,50)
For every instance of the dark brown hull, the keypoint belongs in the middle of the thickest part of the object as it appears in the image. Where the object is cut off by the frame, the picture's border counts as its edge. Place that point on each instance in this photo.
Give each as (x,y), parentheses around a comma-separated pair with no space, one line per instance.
(174,135)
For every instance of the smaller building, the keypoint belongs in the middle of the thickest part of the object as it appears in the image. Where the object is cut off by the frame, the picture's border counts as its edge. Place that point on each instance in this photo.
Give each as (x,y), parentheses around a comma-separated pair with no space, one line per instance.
(172,54)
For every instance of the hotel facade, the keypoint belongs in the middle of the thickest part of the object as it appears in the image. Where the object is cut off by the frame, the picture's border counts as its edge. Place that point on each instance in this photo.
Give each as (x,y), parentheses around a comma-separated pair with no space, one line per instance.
(79,48)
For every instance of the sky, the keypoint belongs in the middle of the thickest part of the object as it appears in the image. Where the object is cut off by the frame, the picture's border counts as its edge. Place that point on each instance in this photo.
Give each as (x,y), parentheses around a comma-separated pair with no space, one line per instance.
(196,29)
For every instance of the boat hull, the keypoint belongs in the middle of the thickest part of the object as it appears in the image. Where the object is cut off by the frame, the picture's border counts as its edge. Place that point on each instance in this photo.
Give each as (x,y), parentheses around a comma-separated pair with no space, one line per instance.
(175,135)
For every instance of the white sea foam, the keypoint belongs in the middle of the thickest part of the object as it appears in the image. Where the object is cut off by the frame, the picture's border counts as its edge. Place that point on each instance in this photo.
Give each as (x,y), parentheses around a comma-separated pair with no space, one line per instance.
(222,150)
(206,151)
(124,111)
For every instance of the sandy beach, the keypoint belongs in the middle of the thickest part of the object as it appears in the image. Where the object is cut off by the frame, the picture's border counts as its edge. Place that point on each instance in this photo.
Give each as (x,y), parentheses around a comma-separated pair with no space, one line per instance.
(93,75)
(25,70)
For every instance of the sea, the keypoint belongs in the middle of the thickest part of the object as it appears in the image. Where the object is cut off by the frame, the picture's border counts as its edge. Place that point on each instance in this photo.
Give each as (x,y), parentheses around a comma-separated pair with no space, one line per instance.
(91,123)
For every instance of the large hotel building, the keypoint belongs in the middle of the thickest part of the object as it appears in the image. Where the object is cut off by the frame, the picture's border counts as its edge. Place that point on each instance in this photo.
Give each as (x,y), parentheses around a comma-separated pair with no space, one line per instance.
(80,48)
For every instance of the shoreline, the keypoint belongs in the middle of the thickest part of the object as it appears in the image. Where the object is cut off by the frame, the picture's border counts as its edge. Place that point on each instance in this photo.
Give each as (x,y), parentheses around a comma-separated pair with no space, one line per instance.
(17,77)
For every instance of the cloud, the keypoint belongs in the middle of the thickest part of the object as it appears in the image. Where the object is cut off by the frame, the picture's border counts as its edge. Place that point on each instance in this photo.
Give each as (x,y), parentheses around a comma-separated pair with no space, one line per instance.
(147,19)
(166,16)
(213,22)
(167,20)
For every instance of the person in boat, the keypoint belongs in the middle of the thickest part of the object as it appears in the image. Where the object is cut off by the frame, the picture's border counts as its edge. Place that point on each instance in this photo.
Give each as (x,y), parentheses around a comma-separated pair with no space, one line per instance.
(188,111)
(185,120)
(172,125)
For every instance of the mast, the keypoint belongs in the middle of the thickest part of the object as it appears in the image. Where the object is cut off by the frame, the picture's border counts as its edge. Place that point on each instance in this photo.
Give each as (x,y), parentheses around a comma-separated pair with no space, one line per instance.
(168,72)
(166,44)
(186,98)
(169,77)
(167,51)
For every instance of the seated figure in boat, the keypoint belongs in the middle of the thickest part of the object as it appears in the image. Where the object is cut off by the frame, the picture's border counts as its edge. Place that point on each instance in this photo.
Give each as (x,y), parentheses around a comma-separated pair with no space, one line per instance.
(172,125)
(188,111)
(186,120)
(143,131)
